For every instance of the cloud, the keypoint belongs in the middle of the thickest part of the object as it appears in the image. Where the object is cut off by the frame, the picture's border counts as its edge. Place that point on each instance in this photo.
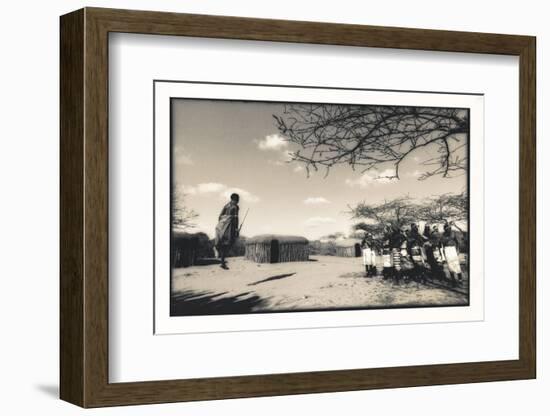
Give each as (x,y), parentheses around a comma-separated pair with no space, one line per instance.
(316,200)
(244,194)
(221,190)
(371,178)
(318,221)
(276,145)
(182,157)
(206,188)
(272,142)
(210,187)
(298,169)
(188,190)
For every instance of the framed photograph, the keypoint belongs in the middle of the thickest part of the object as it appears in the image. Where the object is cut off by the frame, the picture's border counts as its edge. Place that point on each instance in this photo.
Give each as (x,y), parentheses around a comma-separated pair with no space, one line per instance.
(261,207)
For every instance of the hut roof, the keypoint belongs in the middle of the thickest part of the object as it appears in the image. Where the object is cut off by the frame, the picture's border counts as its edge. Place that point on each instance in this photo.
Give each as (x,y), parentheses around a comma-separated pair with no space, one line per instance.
(267,238)
(347,242)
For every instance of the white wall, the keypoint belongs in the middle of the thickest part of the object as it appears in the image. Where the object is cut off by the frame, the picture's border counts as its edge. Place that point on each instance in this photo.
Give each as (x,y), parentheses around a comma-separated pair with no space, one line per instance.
(29,211)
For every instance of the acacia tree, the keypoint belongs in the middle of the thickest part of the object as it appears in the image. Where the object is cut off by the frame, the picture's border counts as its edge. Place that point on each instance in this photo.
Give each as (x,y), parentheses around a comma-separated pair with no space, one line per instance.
(182,217)
(397,212)
(374,228)
(374,136)
(334,236)
(449,208)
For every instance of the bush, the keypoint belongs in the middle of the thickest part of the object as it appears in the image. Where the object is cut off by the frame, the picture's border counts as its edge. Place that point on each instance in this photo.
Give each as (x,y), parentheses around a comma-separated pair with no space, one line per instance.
(322,248)
(187,248)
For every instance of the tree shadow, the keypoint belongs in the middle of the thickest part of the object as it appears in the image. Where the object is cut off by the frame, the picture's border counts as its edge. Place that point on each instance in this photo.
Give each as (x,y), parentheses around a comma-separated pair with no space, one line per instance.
(192,303)
(447,285)
(269,279)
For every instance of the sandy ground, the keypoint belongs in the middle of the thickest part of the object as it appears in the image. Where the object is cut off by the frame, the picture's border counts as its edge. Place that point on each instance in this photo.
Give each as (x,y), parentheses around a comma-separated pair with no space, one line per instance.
(324,282)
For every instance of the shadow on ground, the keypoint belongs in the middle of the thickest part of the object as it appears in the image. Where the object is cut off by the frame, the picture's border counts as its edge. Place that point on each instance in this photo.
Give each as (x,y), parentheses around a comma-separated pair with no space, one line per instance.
(269,279)
(207,262)
(208,303)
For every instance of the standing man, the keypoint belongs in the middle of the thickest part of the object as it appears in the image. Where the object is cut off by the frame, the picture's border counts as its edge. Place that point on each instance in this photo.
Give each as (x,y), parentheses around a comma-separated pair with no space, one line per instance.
(369,255)
(436,256)
(415,246)
(396,241)
(387,261)
(227,230)
(449,242)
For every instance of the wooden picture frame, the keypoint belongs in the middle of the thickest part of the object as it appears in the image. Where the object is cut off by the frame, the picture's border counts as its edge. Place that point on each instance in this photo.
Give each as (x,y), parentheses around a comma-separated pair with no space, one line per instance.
(84,207)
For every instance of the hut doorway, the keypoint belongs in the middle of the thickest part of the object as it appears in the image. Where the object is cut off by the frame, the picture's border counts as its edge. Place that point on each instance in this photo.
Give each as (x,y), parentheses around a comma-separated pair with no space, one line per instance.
(357,250)
(274,251)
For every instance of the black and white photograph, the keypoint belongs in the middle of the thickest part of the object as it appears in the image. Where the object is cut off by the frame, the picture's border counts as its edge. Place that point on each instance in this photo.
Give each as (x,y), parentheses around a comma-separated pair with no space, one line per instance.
(295,206)
(252,208)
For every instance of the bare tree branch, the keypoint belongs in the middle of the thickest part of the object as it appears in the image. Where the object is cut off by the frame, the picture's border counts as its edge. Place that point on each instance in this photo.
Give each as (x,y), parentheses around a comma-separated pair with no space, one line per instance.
(182,217)
(445,208)
(372,136)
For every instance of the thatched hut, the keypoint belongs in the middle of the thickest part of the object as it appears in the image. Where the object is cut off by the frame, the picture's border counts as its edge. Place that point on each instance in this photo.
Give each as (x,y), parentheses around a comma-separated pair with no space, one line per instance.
(187,248)
(272,248)
(349,247)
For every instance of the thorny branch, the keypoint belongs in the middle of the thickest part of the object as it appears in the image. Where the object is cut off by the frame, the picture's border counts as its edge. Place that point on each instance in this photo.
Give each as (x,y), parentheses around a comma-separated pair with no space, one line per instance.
(373,136)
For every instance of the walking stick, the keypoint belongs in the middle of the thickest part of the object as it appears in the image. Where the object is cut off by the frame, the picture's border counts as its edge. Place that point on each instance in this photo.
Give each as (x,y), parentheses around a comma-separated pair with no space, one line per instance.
(241,226)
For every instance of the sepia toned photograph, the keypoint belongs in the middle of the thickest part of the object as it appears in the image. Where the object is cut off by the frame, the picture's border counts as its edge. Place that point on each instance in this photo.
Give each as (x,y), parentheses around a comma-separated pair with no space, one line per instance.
(296,207)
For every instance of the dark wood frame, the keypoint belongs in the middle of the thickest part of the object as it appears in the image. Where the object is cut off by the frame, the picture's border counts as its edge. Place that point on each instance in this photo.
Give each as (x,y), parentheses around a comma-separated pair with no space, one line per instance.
(84,209)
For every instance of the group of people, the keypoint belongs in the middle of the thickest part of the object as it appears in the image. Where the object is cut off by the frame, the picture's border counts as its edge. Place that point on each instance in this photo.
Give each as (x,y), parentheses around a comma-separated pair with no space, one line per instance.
(408,254)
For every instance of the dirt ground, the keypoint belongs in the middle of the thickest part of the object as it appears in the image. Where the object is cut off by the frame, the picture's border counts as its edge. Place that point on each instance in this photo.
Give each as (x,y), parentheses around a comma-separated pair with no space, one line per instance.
(324,282)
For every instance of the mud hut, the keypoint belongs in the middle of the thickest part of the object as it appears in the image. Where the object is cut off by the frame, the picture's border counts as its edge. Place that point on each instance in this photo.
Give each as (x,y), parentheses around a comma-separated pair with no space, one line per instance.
(187,248)
(349,247)
(276,248)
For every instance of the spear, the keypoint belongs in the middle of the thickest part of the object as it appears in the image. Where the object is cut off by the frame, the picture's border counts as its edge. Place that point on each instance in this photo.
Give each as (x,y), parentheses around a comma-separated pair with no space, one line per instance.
(241,226)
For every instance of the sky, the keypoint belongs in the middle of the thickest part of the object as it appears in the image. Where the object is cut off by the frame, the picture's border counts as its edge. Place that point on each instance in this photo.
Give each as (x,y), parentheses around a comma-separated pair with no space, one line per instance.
(220,147)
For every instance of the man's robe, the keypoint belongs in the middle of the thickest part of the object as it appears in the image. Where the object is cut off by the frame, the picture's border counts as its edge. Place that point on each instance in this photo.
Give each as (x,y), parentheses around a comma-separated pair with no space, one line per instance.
(369,254)
(228,226)
(449,241)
